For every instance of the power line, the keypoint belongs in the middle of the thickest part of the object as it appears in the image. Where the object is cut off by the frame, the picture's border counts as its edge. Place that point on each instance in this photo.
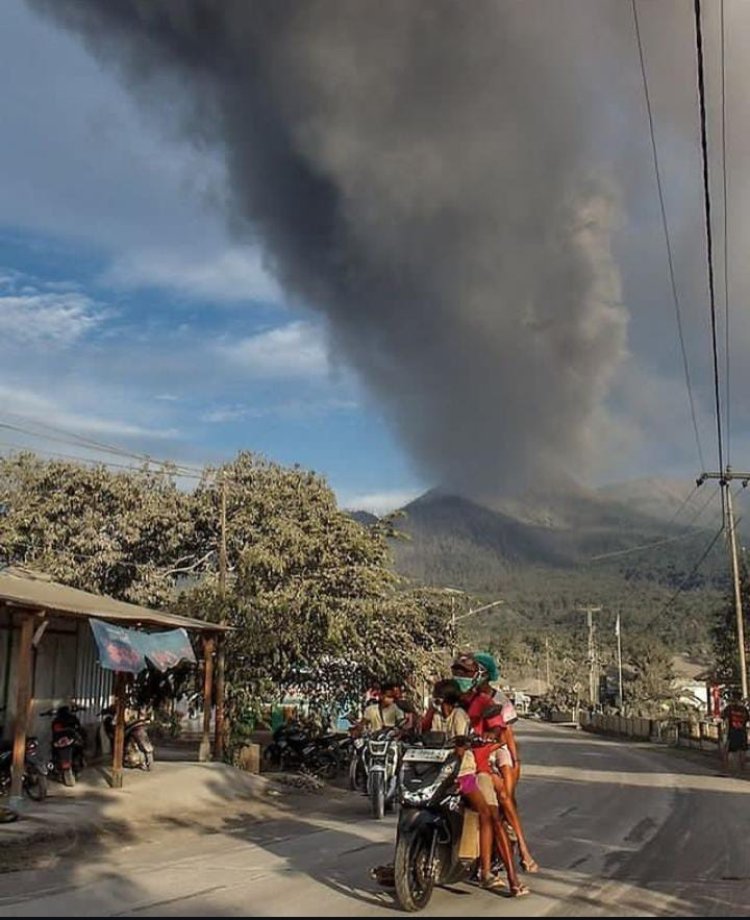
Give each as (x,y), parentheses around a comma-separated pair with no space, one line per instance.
(683,584)
(665,226)
(726,235)
(657,543)
(709,236)
(72,439)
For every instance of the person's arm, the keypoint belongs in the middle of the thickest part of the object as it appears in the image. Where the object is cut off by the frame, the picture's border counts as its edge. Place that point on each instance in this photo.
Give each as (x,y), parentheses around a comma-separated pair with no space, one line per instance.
(510,740)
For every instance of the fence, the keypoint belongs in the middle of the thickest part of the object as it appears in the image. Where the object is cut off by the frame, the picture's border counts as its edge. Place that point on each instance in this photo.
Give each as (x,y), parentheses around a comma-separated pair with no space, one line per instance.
(700,735)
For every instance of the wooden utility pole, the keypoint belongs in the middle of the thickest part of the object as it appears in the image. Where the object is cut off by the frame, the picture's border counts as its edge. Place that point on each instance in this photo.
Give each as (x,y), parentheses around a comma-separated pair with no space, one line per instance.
(546,649)
(204,752)
(220,652)
(118,746)
(725,480)
(592,656)
(23,704)
(618,633)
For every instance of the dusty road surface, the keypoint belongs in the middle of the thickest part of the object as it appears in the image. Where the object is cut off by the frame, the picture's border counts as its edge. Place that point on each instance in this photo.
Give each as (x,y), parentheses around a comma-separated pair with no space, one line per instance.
(618,830)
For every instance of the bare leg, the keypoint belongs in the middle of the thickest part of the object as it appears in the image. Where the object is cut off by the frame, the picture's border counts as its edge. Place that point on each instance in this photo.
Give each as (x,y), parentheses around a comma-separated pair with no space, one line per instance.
(505,849)
(480,806)
(511,814)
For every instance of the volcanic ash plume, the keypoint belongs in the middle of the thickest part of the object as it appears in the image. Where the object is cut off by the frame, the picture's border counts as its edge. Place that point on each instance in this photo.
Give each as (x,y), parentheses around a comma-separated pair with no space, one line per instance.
(432,177)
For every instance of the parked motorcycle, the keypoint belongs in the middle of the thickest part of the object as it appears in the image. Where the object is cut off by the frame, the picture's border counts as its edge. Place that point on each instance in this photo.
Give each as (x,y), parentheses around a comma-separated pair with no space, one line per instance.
(34,780)
(138,751)
(294,747)
(357,766)
(430,828)
(381,758)
(68,744)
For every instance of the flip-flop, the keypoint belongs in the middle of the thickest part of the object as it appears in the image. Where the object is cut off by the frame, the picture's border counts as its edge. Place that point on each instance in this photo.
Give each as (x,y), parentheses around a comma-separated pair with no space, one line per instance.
(492,883)
(519,891)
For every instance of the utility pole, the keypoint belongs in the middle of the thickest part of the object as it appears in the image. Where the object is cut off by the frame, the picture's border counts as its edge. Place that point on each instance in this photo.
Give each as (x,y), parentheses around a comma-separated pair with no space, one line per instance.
(725,480)
(546,649)
(592,656)
(618,633)
(220,653)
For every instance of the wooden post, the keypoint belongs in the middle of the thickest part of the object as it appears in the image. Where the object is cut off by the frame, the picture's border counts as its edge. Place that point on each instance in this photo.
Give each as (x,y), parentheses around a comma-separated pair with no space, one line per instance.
(23,703)
(219,699)
(220,640)
(118,746)
(204,752)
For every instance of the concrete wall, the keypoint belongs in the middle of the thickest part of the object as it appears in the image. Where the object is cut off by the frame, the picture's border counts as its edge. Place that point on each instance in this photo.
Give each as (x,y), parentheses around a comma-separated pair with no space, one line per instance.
(701,735)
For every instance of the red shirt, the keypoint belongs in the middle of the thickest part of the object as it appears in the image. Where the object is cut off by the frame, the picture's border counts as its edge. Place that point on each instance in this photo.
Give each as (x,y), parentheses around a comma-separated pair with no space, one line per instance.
(737,716)
(476,706)
(482,756)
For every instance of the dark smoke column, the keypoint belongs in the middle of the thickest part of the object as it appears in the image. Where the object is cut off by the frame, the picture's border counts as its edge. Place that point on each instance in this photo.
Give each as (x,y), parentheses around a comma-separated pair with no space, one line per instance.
(427,175)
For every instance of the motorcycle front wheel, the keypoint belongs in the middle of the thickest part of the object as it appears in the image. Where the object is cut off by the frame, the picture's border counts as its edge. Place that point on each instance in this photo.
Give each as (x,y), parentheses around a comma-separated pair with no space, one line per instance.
(325,765)
(377,796)
(413,880)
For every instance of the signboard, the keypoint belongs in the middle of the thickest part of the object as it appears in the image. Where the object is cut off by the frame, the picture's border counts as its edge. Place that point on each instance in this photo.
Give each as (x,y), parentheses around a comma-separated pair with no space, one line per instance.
(122,649)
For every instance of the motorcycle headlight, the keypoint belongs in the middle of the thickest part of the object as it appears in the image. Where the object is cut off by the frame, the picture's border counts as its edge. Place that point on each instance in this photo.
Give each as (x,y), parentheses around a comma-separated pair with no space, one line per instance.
(426,793)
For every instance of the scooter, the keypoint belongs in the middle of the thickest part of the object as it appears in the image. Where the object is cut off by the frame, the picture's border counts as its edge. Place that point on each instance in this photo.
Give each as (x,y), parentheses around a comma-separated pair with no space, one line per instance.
(138,751)
(34,781)
(68,744)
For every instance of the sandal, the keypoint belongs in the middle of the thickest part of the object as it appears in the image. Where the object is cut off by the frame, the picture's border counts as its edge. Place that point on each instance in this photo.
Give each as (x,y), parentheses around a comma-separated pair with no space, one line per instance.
(492,883)
(519,891)
(529,865)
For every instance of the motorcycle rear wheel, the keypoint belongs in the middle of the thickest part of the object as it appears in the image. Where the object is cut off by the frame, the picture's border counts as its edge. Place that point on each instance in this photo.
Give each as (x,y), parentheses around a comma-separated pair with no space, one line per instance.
(35,785)
(414,885)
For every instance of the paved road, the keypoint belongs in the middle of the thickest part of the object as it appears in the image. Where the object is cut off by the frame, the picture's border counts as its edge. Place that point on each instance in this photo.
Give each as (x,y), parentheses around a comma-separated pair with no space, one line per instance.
(619,830)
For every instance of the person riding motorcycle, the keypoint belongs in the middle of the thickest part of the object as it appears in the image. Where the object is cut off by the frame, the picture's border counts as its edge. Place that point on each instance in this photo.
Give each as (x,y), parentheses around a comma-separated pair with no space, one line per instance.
(478,671)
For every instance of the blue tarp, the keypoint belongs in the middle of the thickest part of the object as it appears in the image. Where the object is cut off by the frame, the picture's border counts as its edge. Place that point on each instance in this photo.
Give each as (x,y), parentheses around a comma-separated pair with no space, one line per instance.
(122,649)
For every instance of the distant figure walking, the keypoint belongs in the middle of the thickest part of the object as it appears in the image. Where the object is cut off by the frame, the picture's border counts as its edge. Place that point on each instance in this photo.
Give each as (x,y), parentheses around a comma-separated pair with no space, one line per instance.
(736,718)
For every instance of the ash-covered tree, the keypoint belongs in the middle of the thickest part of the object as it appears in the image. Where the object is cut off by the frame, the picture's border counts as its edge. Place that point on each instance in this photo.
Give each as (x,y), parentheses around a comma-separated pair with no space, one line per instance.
(122,533)
(314,605)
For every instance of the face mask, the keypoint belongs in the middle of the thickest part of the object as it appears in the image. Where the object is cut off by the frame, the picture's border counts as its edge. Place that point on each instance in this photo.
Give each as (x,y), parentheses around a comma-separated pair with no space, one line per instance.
(464,683)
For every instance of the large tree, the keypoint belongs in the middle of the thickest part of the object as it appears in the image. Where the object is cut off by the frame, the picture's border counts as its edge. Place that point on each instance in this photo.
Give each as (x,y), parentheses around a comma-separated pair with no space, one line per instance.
(310,594)
(120,533)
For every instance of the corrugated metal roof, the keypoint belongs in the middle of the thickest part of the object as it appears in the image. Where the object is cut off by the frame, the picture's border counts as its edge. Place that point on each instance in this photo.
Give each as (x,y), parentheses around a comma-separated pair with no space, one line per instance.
(25,588)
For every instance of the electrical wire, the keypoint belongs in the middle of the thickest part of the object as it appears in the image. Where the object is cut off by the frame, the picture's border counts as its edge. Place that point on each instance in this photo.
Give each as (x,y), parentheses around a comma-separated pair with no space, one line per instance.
(663,542)
(709,236)
(667,239)
(726,234)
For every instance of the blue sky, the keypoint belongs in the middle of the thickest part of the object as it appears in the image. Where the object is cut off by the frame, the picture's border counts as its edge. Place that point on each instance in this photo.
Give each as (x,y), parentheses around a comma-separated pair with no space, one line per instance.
(128,314)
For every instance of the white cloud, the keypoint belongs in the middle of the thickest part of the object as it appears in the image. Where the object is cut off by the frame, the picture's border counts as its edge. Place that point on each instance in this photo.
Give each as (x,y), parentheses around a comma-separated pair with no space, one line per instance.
(32,312)
(47,318)
(232,275)
(296,350)
(289,409)
(22,404)
(380,502)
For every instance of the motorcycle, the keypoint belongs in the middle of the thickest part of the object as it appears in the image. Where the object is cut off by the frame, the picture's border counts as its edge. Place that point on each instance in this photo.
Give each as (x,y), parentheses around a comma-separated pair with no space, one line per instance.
(294,748)
(68,744)
(381,758)
(138,750)
(357,767)
(431,827)
(34,780)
